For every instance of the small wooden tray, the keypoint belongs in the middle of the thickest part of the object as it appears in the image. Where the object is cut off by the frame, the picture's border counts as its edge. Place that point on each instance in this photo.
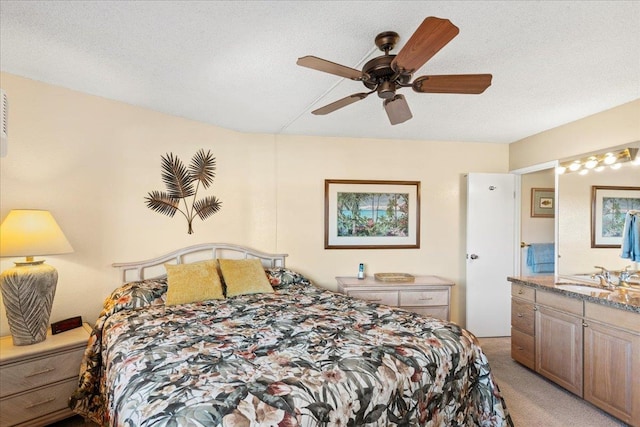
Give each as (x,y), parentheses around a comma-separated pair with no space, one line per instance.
(394,277)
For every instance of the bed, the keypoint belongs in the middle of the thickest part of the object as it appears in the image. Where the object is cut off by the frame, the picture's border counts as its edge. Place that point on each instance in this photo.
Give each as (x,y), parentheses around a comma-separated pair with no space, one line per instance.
(291,355)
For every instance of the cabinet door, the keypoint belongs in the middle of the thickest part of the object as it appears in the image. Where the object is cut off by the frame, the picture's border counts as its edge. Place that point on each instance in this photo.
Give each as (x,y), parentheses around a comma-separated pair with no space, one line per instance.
(612,371)
(559,348)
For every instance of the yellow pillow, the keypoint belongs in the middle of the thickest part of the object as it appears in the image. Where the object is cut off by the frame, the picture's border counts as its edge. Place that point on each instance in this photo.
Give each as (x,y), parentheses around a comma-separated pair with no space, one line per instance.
(244,276)
(198,281)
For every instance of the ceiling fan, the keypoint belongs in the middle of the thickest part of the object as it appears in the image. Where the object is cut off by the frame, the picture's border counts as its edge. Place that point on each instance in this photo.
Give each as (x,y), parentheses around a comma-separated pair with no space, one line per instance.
(387,73)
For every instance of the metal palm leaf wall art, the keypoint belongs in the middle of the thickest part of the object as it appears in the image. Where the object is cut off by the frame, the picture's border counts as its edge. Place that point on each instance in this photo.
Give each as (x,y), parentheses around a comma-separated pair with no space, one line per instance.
(182,183)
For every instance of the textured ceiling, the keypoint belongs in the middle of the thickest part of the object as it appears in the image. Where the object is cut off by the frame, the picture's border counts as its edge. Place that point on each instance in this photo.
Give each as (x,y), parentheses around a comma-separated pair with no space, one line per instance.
(233,63)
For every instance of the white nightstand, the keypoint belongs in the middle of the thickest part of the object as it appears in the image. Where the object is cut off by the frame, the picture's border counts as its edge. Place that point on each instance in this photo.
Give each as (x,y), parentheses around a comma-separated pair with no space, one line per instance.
(37,380)
(428,295)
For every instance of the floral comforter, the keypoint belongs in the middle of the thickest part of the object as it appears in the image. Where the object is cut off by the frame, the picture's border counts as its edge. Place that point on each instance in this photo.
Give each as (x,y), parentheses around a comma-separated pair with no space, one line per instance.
(301,356)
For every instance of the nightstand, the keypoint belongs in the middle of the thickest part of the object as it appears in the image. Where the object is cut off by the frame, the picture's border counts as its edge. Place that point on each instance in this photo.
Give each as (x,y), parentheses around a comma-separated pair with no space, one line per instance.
(37,380)
(429,295)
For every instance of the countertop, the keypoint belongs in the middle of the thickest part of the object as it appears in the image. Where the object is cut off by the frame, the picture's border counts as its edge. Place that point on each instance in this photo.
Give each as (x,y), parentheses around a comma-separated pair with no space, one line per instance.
(614,299)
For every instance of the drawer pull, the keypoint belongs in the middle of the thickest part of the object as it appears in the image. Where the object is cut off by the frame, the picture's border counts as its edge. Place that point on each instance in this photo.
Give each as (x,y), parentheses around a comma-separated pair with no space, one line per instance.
(44,402)
(519,314)
(520,292)
(520,348)
(426,299)
(44,371)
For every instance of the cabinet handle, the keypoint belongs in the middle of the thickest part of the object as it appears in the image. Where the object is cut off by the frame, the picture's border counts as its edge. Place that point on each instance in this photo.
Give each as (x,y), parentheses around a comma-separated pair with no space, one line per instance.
(586,325)
(49,400)
(519,314)
(520,291)
(520,348)
(535,308)
(44,371)
(426,299)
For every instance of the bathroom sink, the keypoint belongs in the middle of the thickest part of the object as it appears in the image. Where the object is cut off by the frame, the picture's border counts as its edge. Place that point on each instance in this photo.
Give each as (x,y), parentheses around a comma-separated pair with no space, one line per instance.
(582,289)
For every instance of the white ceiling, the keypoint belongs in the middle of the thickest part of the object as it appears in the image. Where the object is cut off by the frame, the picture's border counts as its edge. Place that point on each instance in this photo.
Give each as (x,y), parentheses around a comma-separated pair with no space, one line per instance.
(233,63)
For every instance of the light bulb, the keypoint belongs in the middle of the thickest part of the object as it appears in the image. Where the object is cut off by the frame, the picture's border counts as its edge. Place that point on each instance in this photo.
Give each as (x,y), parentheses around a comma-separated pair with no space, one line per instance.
(560,170)
(599,169)
(575,166)
(591,163)
(584,172)
(616,166)
(609,159)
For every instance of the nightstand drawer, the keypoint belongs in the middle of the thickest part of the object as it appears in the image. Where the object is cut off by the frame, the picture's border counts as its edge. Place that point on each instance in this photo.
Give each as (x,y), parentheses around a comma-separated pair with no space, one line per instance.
(424,298)
(36,403)
(380,297)
(18,377)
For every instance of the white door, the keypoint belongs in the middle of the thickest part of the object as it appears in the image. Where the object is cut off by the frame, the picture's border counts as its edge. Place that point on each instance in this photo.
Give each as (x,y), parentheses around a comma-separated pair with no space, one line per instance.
(490,252)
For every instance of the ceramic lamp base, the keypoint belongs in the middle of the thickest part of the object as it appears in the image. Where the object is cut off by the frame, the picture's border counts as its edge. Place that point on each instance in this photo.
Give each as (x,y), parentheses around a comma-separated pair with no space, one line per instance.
(27,293)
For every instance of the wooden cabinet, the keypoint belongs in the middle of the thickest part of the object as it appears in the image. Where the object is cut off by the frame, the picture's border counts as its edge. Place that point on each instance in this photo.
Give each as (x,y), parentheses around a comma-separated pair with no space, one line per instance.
(590,349)
(559,348)
(559,339)
(428,295)
(612,361)
(523,325)
(36,381)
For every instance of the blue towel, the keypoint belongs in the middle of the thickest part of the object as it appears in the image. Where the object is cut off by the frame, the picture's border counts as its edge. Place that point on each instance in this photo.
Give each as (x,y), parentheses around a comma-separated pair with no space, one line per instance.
(631,237)
(541,257)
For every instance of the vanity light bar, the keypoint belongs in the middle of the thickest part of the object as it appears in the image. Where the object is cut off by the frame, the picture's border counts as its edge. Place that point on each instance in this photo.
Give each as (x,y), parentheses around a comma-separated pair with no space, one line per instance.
(597,162)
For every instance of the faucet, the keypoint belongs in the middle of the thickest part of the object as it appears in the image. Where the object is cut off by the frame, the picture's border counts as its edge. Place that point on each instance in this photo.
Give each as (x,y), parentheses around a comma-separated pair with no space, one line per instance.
(604,276)
(625,275)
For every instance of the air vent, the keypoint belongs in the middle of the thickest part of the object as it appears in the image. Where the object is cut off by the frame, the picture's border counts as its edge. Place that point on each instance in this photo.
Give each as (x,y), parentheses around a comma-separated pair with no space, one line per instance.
(4,135)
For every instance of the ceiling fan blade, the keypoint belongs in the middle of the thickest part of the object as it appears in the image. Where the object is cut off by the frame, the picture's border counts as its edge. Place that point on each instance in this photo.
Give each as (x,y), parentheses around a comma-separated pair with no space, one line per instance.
(330,67)
(460,83)
(397,109)
(336,105)
(431,36)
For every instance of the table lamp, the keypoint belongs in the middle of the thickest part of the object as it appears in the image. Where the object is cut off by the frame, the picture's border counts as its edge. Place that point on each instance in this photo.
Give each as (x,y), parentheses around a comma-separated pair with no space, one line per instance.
(29,287)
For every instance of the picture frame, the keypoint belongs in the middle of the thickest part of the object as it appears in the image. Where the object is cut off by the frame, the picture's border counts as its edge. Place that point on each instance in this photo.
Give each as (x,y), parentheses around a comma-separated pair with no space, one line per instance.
(543,202)
(609,205)
(371,214)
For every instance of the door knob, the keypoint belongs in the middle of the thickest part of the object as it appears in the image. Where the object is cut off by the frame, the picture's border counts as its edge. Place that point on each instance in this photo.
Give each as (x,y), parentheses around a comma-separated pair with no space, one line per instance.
(473,256)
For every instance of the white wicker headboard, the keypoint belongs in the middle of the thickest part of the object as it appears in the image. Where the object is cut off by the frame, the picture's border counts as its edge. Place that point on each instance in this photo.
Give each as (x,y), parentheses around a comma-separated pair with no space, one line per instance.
(153,268)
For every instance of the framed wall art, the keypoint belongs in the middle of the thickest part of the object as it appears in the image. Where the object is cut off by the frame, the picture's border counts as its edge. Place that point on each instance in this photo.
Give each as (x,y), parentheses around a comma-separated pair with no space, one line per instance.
(362,214)
(542,202)
(609,206)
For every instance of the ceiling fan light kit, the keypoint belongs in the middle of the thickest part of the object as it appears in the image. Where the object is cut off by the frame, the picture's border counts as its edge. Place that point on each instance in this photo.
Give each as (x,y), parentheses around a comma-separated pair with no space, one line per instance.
(397,109)
(388,73)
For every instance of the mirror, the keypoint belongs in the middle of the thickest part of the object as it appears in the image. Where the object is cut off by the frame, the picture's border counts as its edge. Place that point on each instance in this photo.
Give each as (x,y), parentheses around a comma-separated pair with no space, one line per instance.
(577,256)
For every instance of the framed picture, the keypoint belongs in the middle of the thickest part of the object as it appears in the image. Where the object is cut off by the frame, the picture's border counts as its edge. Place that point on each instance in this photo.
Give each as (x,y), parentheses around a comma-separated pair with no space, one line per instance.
(361,214)
(542,202)
(609,206)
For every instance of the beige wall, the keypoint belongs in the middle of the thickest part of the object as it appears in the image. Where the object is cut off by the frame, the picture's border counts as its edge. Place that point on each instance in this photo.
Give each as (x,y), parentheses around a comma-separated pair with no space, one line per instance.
(91,161)
(611,128)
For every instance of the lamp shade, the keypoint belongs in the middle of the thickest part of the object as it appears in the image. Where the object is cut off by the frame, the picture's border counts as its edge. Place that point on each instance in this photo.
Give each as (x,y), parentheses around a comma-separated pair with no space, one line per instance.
(31,232)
